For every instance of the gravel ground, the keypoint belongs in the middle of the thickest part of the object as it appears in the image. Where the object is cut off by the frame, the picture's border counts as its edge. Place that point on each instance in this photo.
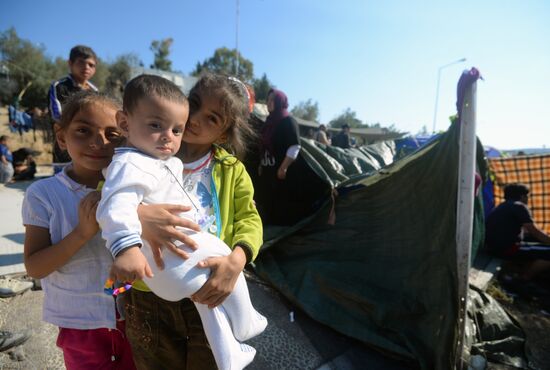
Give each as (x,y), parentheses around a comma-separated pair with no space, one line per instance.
(40,352)
(536,326)
(24,311)
(300,343)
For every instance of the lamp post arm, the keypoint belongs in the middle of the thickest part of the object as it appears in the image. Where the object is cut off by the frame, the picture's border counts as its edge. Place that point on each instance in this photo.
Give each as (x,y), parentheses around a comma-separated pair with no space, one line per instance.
(437,88)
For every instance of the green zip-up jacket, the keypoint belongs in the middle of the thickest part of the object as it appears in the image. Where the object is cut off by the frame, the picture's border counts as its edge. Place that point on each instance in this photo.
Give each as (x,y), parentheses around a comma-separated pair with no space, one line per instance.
(237,218)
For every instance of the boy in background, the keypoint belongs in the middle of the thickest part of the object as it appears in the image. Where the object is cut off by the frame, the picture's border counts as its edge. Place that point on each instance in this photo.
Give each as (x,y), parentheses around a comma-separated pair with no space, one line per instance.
(82,66)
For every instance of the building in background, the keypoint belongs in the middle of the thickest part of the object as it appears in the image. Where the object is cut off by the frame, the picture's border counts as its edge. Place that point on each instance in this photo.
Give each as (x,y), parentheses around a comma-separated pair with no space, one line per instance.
(185,83)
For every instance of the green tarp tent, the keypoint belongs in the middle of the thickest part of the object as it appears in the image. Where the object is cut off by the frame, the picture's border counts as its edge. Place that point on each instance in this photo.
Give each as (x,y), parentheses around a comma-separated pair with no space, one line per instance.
(385,271)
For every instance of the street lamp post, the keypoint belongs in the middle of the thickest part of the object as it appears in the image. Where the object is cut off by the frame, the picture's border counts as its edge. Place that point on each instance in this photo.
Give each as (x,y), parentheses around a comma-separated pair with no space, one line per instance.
(437,88)
(237,41)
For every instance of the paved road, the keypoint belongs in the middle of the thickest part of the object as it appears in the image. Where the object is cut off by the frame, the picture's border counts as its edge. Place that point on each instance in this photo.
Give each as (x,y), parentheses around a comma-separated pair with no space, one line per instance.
(12,231)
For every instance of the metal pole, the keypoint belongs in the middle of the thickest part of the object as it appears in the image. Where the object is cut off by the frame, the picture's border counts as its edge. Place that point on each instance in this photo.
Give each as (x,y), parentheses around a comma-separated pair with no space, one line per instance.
(237,42)
(437,88)
(465,206)
(436,97)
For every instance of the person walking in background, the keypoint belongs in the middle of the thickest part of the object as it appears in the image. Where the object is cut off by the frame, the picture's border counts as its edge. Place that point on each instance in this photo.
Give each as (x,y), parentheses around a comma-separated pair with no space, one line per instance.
(282,197)
(82,66)
(6,158)
(342,139)
(63,246)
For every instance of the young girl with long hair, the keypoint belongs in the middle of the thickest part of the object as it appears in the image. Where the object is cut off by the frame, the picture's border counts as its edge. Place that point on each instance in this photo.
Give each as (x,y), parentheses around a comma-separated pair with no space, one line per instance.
(62,243)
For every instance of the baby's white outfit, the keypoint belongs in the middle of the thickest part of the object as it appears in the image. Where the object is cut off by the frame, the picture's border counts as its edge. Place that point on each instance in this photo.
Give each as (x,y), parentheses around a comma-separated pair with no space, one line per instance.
(133,178)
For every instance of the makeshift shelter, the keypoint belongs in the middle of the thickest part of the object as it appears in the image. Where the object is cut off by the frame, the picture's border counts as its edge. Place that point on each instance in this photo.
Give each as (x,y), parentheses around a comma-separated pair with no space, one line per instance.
(378,261)
(409,144)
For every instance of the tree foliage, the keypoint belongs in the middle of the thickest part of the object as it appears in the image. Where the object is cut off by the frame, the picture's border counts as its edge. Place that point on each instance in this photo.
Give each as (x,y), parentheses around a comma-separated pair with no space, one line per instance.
(27,63)
(307,110)
(119,73)
(393,129)
(390,129)
(161,50)
(101,74)
(24,66)
(60,68)
(24,63)
(350,117)
(347,116)
(224,61)
(423,131)
(261,87)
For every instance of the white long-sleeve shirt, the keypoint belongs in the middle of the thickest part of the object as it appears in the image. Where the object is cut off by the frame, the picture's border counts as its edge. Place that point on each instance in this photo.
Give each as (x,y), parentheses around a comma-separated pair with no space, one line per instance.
(133,178)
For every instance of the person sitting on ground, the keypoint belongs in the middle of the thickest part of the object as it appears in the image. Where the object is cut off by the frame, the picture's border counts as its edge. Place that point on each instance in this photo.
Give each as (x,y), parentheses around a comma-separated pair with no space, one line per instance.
(505,229)
(24,165)
(6,158)
(82,66)
(342,140)
(321,135)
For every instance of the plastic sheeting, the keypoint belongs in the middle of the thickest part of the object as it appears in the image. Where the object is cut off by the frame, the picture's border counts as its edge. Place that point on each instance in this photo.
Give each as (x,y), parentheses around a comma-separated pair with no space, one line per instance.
(492,333)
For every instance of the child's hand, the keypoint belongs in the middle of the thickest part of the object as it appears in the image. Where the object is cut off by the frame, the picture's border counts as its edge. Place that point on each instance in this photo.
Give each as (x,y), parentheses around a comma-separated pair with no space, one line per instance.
(87,224)
(224,275)
(129,265)
(158,223)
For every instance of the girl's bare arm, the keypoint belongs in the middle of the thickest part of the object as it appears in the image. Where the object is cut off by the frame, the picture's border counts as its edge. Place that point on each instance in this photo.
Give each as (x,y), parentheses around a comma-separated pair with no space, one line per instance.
(42,258)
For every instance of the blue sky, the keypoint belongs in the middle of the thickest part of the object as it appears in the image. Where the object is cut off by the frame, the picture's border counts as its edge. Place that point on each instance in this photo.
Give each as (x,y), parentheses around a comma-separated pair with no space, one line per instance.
(379,58)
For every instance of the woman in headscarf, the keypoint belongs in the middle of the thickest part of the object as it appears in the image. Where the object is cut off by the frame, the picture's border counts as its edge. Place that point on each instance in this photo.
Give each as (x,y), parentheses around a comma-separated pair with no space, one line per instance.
(278,191)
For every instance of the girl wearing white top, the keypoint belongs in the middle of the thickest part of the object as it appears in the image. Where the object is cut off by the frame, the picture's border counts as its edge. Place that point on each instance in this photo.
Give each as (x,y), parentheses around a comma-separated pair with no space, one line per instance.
(62,243)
